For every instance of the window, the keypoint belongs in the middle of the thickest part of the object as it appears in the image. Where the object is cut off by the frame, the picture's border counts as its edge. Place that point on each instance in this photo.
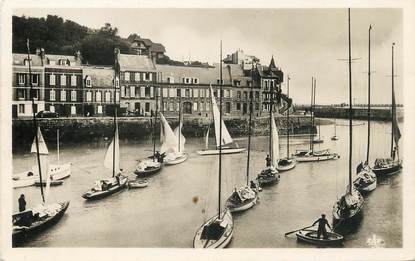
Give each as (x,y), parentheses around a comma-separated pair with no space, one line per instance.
(172,93)
(195,106)
(196,93)
(187,93)
(170,79)
(238,94)
(73,110)
(236,82)
(88,81)
(107,96)
(256,95)
(137,76)
(88,96)
(63,80)
(21,108)
(52,95)
(21,94)
(100,109)
(117,82)
(62,61)
(256,106)
(228,107)
(196,81)
(147,106)
(245,95)
(63,95)
(123,91)
(145,76)
(202,106)
(142,91)
(132,91)
(34,94)
(171,106)
(73,81)
(266,84)
(98,96)
(127,76)
(207,106)
(35,108)
(52,80)
(73,95)
(228,93)
(147,94)
(238,106)
(165,92)
(151,76)
(178,93)
(35,79)
(21,79)
(52,108)
(117,96)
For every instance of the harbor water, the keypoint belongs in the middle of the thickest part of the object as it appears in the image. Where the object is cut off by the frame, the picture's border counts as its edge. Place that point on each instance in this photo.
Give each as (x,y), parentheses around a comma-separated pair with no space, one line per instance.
(181,197)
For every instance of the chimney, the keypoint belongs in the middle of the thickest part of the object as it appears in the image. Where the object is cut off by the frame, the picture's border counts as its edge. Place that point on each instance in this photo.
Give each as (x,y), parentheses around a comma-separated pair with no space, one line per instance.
(78,56)
(42,55)
(38,51)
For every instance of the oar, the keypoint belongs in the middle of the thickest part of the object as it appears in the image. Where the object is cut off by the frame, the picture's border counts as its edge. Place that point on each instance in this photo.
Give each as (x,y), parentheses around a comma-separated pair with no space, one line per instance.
(286,234)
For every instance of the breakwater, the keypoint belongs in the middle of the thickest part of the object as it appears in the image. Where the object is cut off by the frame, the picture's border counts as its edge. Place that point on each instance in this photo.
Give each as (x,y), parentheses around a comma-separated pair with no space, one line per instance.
(96,129)
(377,114)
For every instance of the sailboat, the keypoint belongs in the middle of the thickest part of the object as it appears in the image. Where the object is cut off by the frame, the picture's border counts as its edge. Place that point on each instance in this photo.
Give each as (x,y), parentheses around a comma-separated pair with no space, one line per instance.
(288,162)
(269,175)
(348,210)
(173,145)
(223,140)
(217,231)
(245,197)
(334,137)
(319,139)
(106,187)
(366,180)
(31,177)
(392,165)
(311,154)
(30,222)
(154,163)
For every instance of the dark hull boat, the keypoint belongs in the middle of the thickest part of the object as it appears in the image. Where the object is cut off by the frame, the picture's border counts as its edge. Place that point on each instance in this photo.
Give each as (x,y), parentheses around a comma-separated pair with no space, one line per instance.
(310,236)
(384,167)
(147,168)
(348,212)
(138,183)
(52,183)
(28,224)
(241,199)
(366,180)
(268,177)
(98,193)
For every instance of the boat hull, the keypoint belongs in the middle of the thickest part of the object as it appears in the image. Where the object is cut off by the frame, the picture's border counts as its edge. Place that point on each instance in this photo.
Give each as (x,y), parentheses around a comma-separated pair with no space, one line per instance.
(233,208)
(25,182)
(20,236)
(52,183)
(345,223)
(147,173)
(310,236)
(102,194)
(317,158)
(177,160)
(390,170)
(137,184)
(58,172)
(225,238)
(224,151)
(284,167)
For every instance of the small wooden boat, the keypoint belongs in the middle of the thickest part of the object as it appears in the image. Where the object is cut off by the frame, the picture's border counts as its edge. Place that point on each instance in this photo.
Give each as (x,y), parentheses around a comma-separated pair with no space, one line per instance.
(268,176)
(309,155)
(52,183)
(310,236)
(147,168)
(216,232)
(138,183)
(30,222)
(348,211)
(285,164)
(25,179)
(105,188)
(365,180)
(334,137)
(241,199)
(388,166)
(60,171)
(316,141)
(175,159)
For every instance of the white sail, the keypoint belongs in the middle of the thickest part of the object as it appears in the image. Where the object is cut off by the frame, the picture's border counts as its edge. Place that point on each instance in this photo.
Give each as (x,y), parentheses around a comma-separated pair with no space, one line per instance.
(226,137)
(168,139)
(275,142)
(178,133)
(207,138)
(109,158)
(43,149)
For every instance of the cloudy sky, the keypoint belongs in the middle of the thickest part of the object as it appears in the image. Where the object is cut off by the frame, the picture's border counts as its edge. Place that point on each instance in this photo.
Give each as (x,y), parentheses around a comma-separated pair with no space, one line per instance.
(304,42)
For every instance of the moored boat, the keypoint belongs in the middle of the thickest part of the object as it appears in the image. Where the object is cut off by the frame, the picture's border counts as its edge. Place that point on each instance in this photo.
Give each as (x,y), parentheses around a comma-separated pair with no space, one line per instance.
(241,199)
(105,187)
(52,183)
(138,183)
(147,168)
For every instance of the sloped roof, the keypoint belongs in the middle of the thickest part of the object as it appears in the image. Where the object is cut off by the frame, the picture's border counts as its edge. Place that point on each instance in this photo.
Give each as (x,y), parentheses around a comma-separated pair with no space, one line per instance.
(133,62)
(156,47)
(71,58)
(101,76)
(18,59)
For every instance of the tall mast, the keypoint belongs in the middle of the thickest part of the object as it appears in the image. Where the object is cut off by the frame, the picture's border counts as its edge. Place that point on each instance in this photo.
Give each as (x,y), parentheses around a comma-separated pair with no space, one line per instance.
(368,101)
(57,143)
(393,89)
(32,92)
(180,120)
(350,108)
(155,124)
(311,113)
(288,118)
(270,123)
(117,76)
(314,107)
(220,127)
(250,125)
(312,110)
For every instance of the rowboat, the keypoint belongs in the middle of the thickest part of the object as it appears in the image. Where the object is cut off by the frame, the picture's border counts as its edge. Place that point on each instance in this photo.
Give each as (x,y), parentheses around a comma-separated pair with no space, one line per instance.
(310,236)
(309,155)
(138,183)
(29,223)
(52,183)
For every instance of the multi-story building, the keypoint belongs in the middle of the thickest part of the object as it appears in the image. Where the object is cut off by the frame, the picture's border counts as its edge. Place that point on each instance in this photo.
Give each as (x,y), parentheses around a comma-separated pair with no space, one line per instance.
(21,102)
(63,84)
(144,46)
(98,91)
(139,79)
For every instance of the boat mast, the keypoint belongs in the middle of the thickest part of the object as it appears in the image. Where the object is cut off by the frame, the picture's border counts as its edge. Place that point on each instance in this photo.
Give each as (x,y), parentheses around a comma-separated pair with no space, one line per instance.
(350,109)
(368,101)
(393,87)
(180,120)
(32,92)
(250,126)
(155,124)
(314,107)
(117,76)
(57,141)
(288,118)
(270,123)
(311,114)
(220,127)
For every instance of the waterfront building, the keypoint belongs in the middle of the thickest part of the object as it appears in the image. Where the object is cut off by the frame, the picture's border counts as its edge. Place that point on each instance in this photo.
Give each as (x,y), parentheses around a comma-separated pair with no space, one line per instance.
(98,90)
(63,84)
(144,46)
(21,96)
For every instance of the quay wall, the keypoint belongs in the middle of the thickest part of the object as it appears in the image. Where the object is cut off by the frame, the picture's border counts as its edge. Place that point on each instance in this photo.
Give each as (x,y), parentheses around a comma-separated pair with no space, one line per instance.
(96,129)
(378,114)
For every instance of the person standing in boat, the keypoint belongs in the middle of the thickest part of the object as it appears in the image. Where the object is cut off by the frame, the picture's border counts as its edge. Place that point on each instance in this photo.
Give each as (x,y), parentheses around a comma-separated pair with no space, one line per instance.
(268,160)
(22,203)
(322,222)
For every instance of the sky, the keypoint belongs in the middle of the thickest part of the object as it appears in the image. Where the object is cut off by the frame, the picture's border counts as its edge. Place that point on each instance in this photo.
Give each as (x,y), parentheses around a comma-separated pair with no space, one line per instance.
(304,42)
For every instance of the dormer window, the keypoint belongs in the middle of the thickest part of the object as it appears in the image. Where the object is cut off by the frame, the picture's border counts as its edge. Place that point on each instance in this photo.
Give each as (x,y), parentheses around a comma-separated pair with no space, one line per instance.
(88,82)
(52,62)
(196,81)
(63,62)
(127,76)
(170,79)
(21,78)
